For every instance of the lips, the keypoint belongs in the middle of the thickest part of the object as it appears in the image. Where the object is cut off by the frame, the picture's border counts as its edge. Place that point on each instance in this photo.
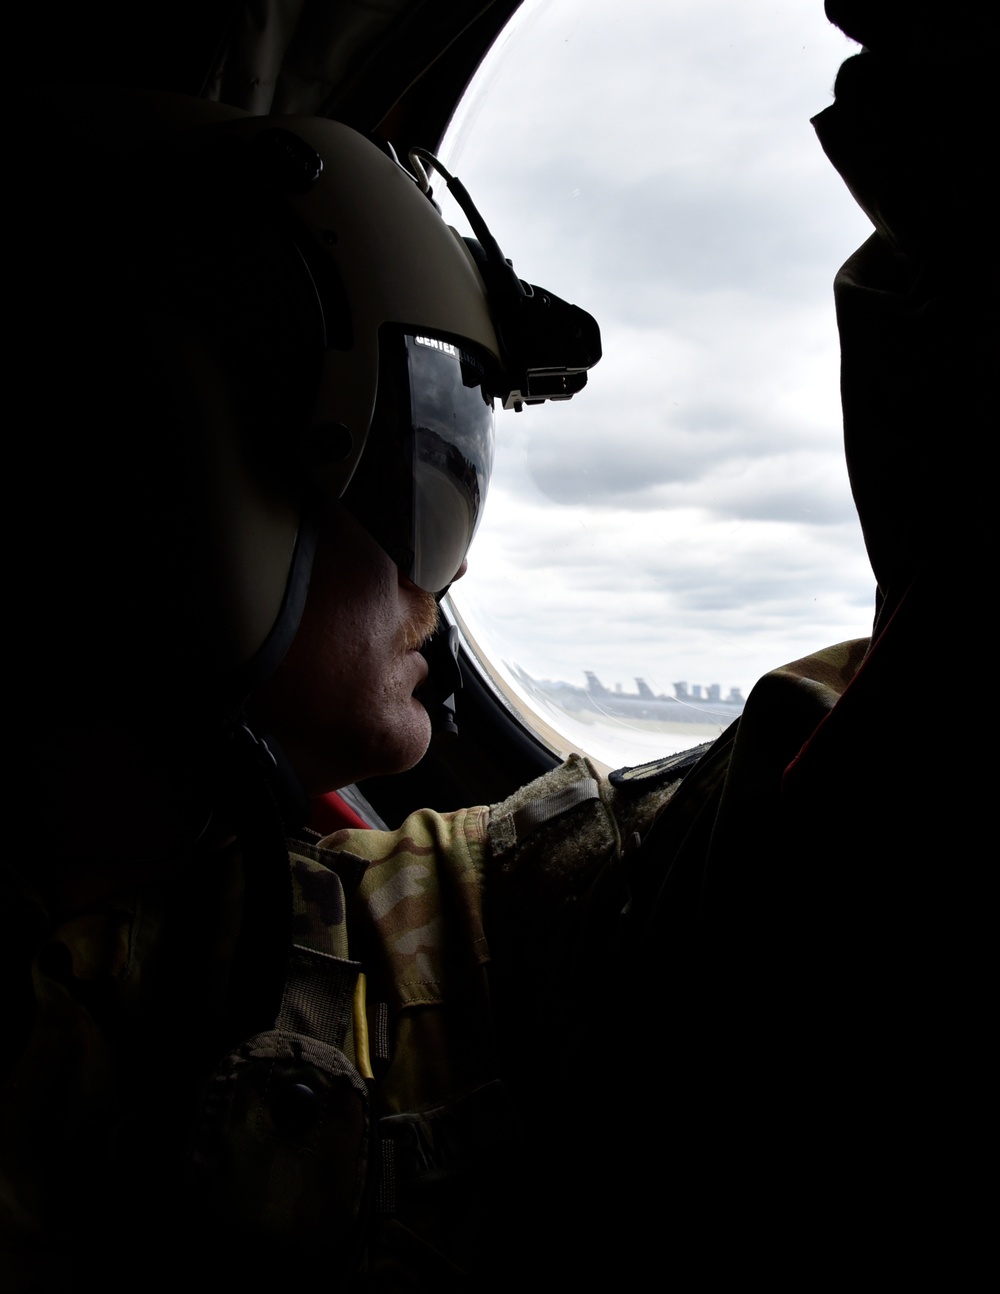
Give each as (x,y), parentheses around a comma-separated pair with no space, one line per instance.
(414,642)
(424,671)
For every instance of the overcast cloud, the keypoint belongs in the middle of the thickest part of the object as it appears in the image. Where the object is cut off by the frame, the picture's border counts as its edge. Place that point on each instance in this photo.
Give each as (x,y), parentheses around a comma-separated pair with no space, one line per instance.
(688,515)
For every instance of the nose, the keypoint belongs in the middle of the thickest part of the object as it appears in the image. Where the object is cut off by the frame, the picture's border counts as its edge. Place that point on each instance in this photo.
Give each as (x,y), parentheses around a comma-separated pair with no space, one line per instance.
(461,570)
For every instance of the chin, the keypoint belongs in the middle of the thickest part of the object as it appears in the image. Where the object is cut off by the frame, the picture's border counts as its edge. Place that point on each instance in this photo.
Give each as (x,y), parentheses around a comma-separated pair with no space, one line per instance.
(396,747)
(371,744)
(410,740)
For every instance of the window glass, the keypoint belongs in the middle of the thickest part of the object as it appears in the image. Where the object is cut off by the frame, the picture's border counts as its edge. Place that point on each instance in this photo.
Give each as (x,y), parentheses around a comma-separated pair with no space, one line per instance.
(686,520)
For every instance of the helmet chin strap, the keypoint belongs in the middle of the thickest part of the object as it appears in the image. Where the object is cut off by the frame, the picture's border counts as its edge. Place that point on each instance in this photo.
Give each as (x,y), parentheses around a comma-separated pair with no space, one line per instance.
(256,671)
(266,803)
(265,758)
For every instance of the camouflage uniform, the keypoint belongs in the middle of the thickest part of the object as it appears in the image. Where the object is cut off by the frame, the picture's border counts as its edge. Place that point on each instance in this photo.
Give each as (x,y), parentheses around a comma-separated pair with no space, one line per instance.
(366,1124)
(593,1011)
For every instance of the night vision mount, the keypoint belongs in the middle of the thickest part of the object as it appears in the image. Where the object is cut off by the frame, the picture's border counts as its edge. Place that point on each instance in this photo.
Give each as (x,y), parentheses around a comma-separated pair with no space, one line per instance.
(546,344)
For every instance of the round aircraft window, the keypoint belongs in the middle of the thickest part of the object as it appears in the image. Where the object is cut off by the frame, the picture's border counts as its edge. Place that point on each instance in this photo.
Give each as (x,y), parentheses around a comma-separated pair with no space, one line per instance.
(683,525)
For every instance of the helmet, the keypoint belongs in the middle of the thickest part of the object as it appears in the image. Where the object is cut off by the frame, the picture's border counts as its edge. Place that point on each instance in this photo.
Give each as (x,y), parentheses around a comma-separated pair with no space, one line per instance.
(314,331)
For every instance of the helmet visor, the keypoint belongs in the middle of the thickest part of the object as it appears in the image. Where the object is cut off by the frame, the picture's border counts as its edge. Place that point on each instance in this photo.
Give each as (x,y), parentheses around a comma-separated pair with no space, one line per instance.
(420,486)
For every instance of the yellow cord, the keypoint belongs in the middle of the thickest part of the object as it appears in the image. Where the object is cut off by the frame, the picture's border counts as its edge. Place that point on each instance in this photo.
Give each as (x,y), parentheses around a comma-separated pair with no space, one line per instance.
(362,1056)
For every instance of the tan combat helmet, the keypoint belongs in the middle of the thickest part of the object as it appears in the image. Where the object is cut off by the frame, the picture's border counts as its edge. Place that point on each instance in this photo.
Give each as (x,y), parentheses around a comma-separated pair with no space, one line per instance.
(320,333)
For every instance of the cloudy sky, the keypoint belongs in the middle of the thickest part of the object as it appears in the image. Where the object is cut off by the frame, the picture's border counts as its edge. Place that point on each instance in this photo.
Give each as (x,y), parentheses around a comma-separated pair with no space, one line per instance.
(688,515)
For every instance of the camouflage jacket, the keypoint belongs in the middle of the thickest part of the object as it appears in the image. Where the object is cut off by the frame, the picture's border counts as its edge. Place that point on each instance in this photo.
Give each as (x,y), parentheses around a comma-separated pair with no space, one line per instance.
(367,1128)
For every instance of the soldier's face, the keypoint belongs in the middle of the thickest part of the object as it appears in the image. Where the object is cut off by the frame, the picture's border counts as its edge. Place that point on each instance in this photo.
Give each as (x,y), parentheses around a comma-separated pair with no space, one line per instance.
(342,704)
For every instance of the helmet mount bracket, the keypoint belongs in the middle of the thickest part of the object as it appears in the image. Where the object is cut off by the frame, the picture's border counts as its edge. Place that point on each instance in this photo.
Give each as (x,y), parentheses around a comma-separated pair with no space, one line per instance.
(547,345)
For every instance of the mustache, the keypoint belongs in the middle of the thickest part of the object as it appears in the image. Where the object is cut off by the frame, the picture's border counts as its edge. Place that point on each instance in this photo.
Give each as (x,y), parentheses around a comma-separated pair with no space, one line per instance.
(420,621)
